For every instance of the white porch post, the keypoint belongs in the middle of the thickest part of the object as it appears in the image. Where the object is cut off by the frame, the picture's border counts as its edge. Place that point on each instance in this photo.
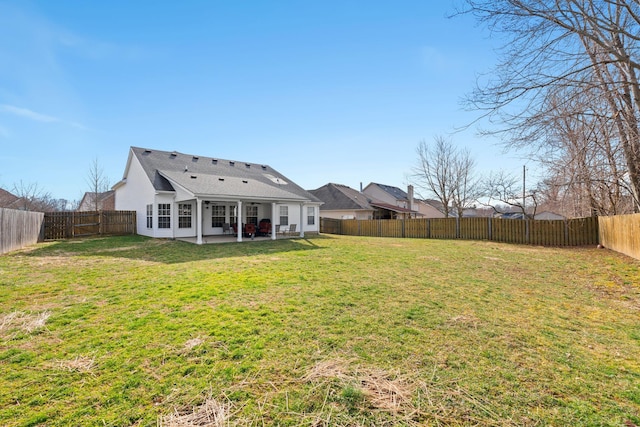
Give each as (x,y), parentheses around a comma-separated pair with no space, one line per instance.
(239,225)
(301,219)
(273,221)
(199,221)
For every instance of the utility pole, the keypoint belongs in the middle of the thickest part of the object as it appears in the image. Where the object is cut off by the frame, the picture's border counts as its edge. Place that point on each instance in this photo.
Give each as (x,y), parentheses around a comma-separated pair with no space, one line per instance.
(524,189)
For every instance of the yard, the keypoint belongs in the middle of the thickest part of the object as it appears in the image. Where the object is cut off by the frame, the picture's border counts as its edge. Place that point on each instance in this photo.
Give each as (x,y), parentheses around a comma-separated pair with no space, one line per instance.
(332,330)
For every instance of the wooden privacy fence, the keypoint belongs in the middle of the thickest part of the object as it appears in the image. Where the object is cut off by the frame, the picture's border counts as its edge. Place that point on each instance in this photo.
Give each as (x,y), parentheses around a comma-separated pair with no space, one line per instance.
(572,232)
(19,229)
(621,233)
(65,225)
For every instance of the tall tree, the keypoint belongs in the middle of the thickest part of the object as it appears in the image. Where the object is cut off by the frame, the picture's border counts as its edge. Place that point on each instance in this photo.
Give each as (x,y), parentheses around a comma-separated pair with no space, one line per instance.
(446,173)
(585,45)
(98,183)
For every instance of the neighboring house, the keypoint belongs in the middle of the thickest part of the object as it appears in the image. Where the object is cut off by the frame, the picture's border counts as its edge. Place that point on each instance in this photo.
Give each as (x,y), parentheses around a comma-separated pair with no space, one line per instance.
(343,202)
(10,201)
(512,215)
(405,205)
(426,209)
(106,201)
(548,215)
(180,195)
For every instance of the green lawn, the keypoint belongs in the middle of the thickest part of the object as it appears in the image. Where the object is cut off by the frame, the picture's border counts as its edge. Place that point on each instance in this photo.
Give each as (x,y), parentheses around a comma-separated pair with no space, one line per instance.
(333,330)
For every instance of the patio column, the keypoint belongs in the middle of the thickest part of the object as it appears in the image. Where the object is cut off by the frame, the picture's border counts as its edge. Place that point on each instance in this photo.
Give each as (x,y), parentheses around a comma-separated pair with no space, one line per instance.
(198,221)
(239,225)
(273,221)
(301,219)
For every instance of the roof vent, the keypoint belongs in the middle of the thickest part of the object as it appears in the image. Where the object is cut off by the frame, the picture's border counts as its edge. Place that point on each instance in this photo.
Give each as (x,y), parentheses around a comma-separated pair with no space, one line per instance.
(264,167)
(220,179)
(186,168)
(245,181)
(147,151)
(214,161)
(193,177)
(195,158)
(248,165)
(174,154)
(232,163)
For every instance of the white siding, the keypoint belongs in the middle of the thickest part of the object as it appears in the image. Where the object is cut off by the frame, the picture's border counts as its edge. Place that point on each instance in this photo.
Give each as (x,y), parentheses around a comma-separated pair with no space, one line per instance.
(135,194)
(346,214)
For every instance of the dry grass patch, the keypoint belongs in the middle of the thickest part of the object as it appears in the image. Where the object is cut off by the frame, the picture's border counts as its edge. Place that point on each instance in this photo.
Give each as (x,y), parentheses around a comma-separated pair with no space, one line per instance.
(211,413)
(380,390)
(78,364)
(193,342)
(19,321)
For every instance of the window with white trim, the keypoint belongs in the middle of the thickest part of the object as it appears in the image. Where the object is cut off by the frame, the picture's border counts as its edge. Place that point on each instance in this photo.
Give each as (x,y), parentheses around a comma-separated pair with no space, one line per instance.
(311,215)
(252,215)
(218,215)
(184,215)
(150,216)
(284,215)
(164,215)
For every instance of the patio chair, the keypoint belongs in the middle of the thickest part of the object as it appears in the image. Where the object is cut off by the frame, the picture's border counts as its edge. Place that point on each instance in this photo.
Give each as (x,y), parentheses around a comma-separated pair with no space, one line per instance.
(264,227)
(292,229)
(226,228)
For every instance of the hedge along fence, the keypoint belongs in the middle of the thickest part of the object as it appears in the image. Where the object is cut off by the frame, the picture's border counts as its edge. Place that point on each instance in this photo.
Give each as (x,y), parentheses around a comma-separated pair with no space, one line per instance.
(621,233)
(573,232)
(19,229)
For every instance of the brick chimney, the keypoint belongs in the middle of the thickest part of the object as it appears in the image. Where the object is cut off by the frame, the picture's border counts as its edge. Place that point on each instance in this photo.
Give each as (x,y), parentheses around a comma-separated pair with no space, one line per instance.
(410,196)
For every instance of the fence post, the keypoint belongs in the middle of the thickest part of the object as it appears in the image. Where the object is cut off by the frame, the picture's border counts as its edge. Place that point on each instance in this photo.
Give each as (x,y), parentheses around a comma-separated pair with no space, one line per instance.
(490,236)
(526,233)
(457,227)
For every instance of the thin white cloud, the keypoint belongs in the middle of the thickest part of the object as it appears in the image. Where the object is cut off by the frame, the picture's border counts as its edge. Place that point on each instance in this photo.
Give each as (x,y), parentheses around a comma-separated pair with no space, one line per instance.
(29,114)
(4,133)
(38,117)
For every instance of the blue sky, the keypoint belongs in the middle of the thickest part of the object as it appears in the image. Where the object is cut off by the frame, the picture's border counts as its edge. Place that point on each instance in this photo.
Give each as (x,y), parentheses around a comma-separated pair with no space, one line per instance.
(331,91)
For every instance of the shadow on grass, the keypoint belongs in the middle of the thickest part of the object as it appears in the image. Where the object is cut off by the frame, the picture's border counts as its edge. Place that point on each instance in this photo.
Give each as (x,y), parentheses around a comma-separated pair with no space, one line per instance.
(168,251)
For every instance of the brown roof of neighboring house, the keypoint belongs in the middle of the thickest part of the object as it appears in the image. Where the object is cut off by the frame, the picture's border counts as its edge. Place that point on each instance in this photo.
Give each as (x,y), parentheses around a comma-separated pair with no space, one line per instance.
(8,200)
(393,208)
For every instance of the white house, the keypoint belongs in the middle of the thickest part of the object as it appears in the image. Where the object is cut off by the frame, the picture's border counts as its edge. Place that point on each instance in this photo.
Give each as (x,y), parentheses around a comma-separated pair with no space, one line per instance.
(180,195)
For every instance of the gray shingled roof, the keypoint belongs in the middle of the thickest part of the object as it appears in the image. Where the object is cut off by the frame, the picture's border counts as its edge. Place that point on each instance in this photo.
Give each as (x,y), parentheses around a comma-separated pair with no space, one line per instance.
(212,177)
(397,193)
(339,197)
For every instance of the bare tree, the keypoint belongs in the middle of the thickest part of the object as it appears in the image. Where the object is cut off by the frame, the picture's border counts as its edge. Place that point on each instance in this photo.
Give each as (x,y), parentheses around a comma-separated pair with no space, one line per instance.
(583,155)
(32,197)
(466,188)
(587,46)
(98,183)
(502,187)
(446,173)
